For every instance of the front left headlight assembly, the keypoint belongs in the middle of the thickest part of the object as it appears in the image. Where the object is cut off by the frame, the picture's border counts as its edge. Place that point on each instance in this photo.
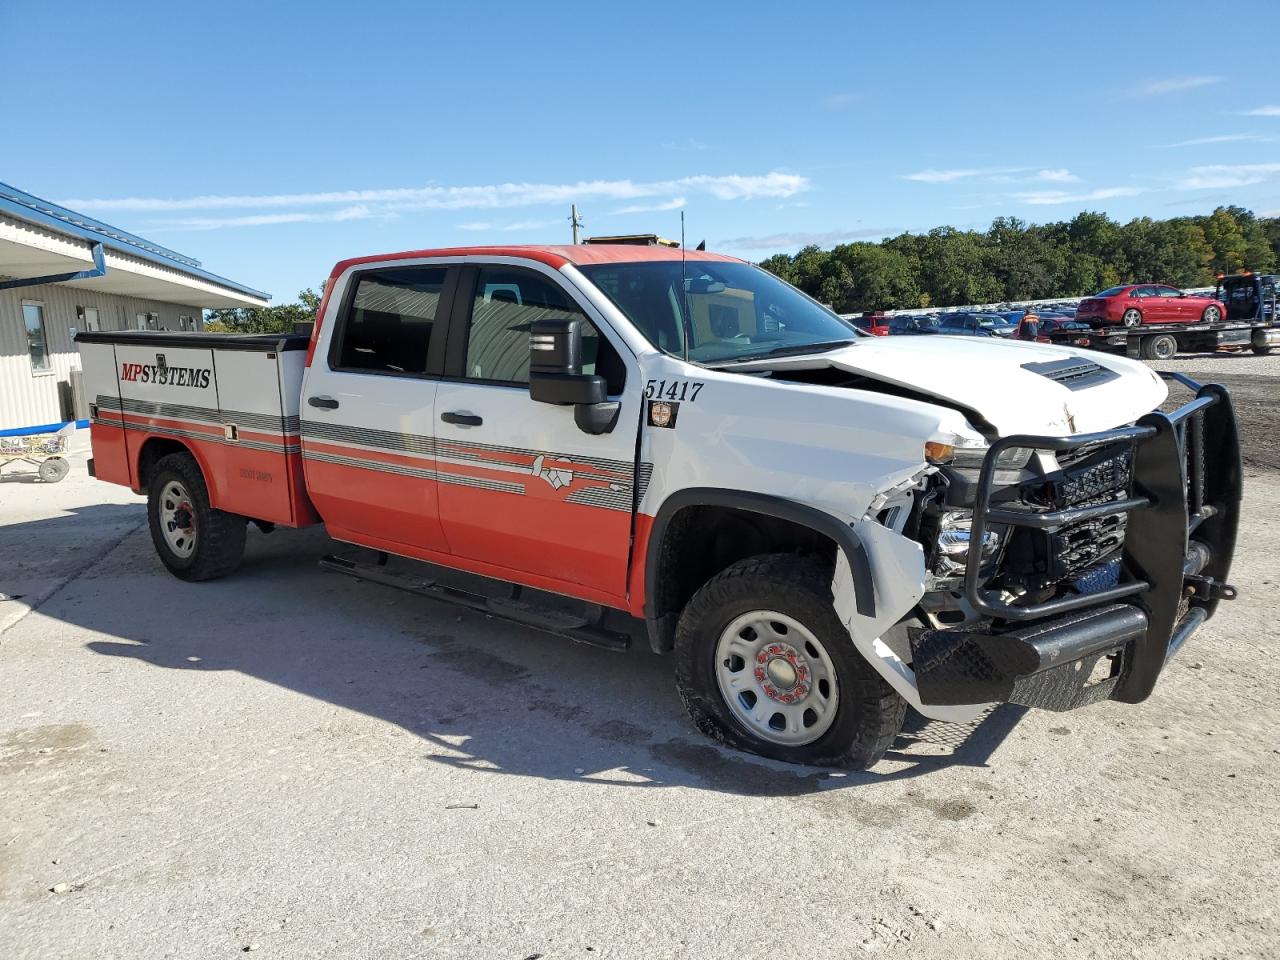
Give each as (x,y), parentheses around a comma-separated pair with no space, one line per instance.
(954,543)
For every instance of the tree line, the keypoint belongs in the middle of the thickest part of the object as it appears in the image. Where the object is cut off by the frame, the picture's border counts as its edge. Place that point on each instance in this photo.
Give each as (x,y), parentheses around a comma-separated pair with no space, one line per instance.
(1014,260)
(279,318)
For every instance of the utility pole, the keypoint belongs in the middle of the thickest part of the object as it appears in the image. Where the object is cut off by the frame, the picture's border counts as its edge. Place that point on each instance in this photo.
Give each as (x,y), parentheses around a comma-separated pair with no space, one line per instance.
(576,221)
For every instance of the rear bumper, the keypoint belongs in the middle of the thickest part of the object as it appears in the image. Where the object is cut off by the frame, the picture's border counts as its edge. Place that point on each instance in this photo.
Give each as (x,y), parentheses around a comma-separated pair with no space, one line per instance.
(1183,509)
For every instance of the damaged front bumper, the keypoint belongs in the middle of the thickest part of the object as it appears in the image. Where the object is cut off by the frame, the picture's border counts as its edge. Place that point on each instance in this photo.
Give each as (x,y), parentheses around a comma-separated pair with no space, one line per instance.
(1182,506)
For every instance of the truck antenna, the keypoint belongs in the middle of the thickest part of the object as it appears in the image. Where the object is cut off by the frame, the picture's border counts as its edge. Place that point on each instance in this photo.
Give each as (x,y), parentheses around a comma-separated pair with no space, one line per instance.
(684,287)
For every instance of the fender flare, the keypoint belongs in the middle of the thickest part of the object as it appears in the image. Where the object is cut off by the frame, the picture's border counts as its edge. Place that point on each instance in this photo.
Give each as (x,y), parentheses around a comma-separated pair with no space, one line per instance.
(762,503)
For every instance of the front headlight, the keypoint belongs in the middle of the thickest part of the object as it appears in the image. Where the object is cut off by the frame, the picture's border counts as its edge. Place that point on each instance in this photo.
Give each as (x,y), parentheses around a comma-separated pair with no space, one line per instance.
(1011,458)
(955,541)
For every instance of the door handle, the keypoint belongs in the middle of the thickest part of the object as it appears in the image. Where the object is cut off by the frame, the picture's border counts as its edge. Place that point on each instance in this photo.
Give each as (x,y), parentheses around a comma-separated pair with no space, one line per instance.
(324,403)
(462,419)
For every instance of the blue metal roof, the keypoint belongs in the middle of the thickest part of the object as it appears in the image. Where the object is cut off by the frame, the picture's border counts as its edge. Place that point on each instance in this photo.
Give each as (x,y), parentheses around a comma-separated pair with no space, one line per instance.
(24,206)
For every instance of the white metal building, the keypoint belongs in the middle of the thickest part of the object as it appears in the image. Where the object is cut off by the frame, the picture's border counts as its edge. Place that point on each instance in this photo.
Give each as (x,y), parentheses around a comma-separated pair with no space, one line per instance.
(62,272)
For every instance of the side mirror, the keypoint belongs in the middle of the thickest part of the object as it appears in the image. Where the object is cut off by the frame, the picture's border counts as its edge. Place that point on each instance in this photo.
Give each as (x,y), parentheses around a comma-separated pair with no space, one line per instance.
(555,375)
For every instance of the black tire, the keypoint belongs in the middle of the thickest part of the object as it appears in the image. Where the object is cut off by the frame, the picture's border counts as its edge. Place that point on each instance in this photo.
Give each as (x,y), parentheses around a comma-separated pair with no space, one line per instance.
(219,537)
(1131,317)
(1261,351)
(53,469)
(1163,346)
(869,712)
(1211,315)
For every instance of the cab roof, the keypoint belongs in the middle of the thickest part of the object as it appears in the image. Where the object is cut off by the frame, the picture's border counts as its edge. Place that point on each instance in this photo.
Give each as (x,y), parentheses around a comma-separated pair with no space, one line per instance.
(553,255)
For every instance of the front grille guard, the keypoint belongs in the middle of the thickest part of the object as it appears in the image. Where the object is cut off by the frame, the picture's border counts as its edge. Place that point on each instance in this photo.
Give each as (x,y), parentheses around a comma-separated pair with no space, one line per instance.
(1185,481)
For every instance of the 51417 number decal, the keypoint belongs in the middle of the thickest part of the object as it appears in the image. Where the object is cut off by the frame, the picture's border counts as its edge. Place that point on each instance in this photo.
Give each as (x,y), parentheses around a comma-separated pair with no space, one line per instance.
(673,390)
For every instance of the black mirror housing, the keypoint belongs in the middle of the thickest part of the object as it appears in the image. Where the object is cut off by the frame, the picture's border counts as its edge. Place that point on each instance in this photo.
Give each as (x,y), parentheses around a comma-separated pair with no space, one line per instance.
(555,347)
(555,375)
(567,388)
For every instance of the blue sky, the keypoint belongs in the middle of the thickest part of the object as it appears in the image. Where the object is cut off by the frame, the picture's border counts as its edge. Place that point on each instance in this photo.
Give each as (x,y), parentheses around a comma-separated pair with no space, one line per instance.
(271,139)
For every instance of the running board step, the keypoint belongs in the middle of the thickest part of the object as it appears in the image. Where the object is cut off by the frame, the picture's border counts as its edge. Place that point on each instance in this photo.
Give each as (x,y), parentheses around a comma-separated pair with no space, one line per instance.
(580,629)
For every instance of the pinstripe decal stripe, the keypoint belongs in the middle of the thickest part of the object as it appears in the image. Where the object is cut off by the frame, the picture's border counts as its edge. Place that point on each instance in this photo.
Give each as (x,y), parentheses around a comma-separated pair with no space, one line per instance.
(420,472)
(200,435)
(604,483)
(177,411)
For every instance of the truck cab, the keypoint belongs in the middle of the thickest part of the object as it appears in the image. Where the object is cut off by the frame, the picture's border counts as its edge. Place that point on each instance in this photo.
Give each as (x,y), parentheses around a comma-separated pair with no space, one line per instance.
(822,527)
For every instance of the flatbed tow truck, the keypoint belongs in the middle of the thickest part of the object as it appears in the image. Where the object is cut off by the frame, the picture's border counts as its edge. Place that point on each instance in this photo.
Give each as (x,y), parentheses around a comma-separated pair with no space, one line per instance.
(1250,321)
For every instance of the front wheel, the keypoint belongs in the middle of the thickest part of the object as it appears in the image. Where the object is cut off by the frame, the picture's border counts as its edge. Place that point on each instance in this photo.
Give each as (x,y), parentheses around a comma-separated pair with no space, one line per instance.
(1211,315)
(1131,318)
(194,541)
(764,664)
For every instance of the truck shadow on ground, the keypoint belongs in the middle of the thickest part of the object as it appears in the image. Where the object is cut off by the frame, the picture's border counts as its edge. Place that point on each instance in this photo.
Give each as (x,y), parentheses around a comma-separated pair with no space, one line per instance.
(483,695)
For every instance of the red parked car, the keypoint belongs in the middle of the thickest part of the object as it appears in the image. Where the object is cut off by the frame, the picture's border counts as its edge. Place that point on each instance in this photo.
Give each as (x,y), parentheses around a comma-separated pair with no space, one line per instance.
(874,323)
(1137,303)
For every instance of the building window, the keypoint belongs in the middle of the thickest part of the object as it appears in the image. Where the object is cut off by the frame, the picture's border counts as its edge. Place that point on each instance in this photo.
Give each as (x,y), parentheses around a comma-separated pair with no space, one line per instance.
(37,341)
(186,323)
(142,321)
(148,321)
(87,319)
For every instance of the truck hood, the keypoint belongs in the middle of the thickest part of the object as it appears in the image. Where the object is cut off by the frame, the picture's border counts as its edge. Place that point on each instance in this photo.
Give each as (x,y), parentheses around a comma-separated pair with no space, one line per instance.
(1017,387)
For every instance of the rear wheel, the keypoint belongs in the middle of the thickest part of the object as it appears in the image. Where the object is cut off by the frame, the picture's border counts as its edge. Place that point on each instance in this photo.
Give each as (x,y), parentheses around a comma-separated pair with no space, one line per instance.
(764,664)
(1211,315)
(53,469)
(194,541)
(1131,318)
(1162,347)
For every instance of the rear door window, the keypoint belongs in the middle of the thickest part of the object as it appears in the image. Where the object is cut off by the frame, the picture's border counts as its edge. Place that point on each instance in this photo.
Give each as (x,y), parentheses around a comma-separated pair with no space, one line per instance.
(388,326)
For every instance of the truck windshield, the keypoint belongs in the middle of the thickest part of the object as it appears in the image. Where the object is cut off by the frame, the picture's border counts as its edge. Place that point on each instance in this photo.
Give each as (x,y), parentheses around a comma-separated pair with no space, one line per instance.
(730,311)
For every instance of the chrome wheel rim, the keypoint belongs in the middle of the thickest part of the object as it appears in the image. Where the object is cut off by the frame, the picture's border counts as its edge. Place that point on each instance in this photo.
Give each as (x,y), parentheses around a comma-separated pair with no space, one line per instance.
(1164,349)
(1211,315)
(777,678)
(1132,318)
(177,519)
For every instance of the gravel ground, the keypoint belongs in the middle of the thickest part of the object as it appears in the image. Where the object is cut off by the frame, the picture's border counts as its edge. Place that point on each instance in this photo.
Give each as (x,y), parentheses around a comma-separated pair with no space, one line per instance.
(1252,381)
(295,763)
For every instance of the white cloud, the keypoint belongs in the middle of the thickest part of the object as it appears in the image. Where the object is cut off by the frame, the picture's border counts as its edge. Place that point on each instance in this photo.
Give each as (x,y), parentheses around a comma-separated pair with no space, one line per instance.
(1155,88)
(1225,138)
(996,175)
(1050,197)
(493,196)
(1270,110)
(950,176)
(1056,176)
(673,204)
(1221,175)
(359,212)
(530,224)
(843,100)
(486,226)
(775,241)
(689,144)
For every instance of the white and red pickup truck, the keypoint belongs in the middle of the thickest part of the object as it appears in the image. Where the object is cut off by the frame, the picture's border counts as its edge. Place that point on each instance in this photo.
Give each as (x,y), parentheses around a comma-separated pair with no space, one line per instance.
(824,527)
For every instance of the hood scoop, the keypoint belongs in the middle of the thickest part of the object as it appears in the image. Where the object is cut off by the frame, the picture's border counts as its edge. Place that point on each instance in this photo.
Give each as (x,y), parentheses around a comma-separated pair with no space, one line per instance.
(1074,373)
